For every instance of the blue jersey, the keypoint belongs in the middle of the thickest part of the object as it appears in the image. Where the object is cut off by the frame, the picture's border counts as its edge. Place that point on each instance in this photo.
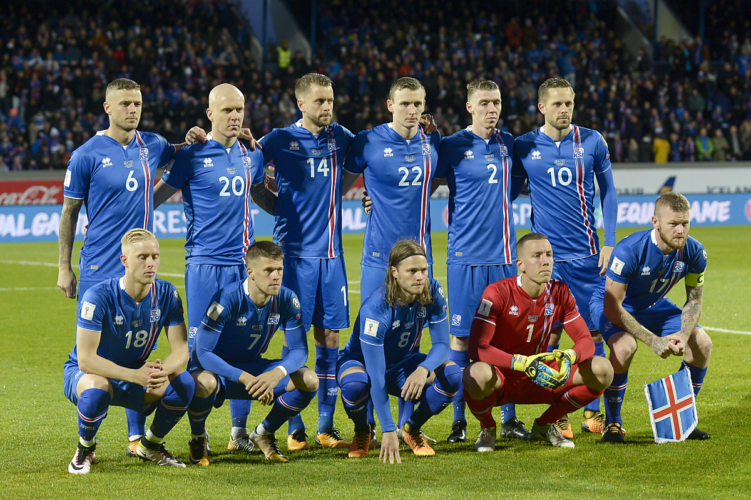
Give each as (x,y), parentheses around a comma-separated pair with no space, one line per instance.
(308,172)
(129,330)
(235,331)
(116,183)
(650,274)
(216,184)
(562,189)
(397,174)
(478,173)
(399,329)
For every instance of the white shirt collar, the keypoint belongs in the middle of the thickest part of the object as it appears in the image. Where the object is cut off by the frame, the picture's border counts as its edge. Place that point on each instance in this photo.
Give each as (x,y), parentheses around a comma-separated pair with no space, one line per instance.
(519,280)
(245,286)
(122,283)
(208,137)
(652,236)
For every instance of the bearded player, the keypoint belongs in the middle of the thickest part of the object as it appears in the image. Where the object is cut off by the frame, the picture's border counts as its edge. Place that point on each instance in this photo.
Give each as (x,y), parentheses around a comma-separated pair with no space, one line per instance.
(508,342)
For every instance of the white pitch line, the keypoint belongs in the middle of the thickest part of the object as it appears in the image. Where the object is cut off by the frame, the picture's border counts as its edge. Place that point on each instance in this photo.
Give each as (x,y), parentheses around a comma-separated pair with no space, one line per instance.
(726,331)
(26,288)
(49,264)
(358,281)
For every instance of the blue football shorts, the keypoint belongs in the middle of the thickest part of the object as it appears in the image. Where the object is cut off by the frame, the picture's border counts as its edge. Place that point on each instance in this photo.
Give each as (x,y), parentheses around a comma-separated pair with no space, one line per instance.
(229,389)
(125,394)
(465,286)
(582,276)
(663,318)
(321,286)
(396,374)
(373,277)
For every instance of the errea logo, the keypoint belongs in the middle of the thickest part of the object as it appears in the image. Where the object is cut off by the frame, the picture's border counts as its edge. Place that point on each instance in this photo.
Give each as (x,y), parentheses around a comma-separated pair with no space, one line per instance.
(119,320)
(208,163)
(106,163)
(294,146)
(645,271)
(242,321)
(536,155)
(514,311)
(468,155)
(388,152)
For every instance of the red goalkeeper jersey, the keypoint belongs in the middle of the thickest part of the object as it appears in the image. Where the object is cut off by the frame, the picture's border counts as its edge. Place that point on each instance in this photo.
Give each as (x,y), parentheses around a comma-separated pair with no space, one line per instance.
(508,322)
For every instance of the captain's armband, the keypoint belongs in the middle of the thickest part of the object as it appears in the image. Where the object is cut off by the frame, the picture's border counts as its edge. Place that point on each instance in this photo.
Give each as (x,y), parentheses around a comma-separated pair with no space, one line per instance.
(695,279)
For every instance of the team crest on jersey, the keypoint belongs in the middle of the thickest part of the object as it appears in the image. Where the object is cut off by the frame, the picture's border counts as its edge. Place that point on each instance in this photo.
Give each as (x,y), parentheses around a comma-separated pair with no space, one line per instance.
(578,152)
(241,321)
(143,155)
(679,266)
(645,271)
(395,324)
(409,158)
(119,320)
(106,163)
(504,150)
(128,164)
(514,311)
(316,152)
(536,155)
(388,152)
(294,146)
(489,157)
(532,318)
(422,312)
(231,171)
(468,155)
(425,149)
(208,163)
(549,309)
(155,314)
(456,320)
(192,332)
(332,144)
(246,162)
(273,319)
(560,163)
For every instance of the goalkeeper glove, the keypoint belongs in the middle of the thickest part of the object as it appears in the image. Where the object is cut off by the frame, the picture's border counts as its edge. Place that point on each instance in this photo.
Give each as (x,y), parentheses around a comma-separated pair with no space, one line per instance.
(564,359)
(535,368)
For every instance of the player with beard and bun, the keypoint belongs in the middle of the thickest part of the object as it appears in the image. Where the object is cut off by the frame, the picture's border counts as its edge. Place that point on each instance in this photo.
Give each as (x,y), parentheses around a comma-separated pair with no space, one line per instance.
(631,303)
(508,343)
(561,162)
(476,163)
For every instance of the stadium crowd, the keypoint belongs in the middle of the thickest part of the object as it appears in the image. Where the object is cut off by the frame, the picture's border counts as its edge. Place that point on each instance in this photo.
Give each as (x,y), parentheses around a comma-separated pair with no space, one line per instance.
(55,63)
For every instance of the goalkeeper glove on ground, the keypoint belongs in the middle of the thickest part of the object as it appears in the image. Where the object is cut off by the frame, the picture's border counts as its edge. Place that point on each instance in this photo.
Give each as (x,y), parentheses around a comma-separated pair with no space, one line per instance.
(536,369)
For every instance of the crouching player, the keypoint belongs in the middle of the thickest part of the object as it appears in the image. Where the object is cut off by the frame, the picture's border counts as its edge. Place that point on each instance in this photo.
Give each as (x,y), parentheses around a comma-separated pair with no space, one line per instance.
(118,323)
(517,315)
(226,360)
(631,303)
(383,355)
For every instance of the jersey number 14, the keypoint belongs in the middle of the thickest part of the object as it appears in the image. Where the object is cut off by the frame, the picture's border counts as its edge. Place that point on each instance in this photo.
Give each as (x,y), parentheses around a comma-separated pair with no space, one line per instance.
(323,167)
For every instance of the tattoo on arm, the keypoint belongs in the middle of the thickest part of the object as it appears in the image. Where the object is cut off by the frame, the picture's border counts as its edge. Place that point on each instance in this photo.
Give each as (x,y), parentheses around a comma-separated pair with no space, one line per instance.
(630,325)
(67,230)
(691,310)
(263,198)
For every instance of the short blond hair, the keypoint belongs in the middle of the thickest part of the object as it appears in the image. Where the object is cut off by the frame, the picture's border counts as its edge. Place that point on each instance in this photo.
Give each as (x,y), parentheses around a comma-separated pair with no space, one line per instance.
(304,84)
(674,201)
(120,84)
(476,85)
(552,83)
(134,236)
(405,83)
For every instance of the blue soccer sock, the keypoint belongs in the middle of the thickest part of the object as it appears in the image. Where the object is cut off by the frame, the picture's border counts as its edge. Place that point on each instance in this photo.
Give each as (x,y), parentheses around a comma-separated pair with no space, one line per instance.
(173,405)
(508,412)
(697,376)
(371,413)
(328,389)
(198,411)
(239,409)
(461,358)
(136,422)
(614,398)
(92,409)
(295,423)
(599,351)
(406,408)
(355,398)
(552,347)
(286,406)
(448,383)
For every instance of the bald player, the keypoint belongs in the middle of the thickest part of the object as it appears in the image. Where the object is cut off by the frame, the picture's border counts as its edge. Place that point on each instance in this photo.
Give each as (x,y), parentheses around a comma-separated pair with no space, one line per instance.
(218,179)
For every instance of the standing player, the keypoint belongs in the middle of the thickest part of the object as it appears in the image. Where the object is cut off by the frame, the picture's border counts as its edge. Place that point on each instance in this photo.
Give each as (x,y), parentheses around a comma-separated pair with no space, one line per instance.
(114,337)
(227,360)
(307,160)
(218,179)
(113,174)
(517,315)
(481,247)
(631,303)
(383,355)
(561,161)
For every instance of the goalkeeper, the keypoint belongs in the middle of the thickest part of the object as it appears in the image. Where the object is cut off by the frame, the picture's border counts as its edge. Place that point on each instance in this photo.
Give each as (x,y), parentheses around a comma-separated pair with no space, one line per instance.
(508,344)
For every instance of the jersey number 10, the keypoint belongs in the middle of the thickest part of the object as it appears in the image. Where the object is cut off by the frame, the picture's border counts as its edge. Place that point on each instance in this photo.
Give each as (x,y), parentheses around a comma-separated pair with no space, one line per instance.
(564,176)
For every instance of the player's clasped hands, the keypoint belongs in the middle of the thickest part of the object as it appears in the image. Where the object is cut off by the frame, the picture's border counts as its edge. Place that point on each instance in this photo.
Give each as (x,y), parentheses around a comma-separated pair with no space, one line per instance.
(536,369)
(262,386)
(670,345)
(565,360)
(152,376)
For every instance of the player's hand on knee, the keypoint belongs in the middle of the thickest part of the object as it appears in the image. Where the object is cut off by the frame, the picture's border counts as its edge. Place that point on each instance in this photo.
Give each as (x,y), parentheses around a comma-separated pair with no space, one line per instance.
(414,385)
(66,282)
(536,369)
(196,134)
(367,203)
(390,448)
(261,385)
(565,360)
(428,123)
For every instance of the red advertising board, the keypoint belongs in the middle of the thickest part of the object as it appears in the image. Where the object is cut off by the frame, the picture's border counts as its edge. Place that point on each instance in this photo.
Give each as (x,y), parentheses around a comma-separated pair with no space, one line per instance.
(42,192)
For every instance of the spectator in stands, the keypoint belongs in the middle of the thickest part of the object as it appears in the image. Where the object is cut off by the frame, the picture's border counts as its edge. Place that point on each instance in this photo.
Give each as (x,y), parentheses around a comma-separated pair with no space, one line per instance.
(704,146)
(721,146)
(661,149)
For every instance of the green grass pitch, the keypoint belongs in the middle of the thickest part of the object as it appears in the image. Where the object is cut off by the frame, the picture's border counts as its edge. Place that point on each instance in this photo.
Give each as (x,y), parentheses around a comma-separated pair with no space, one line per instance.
(38,429)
